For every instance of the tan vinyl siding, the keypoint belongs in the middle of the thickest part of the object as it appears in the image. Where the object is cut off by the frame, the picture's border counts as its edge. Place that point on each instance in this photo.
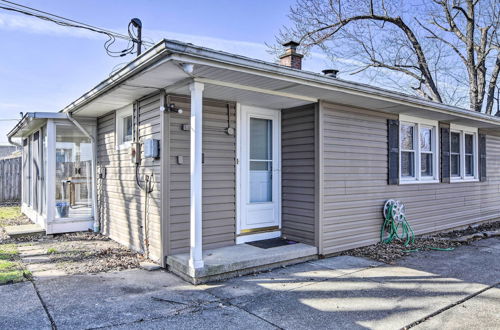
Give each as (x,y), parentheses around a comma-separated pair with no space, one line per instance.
(121,202)
(354,186)
(298,173)
(219,176)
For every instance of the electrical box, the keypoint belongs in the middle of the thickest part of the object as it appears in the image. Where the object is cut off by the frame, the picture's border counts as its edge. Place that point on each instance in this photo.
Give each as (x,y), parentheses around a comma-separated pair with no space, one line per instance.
(151,148)
(135,152)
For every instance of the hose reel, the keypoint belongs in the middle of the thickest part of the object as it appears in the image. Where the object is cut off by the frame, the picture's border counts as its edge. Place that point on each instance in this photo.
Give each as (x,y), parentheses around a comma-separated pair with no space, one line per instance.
(395,224)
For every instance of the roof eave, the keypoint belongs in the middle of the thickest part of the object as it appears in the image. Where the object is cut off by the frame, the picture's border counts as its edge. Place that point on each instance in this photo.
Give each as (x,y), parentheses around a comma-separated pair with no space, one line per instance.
(237,62)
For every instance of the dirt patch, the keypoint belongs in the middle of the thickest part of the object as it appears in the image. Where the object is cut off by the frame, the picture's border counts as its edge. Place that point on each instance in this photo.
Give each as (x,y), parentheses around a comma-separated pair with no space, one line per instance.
(79,253)
(395,250)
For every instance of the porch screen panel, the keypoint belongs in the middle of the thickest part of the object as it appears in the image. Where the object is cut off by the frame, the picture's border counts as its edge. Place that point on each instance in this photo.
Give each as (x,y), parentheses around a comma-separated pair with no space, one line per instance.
(73,173)
(26,171)
(36,171)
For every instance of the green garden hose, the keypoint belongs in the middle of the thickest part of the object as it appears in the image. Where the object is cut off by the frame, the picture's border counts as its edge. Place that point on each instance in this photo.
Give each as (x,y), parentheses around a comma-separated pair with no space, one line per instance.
(397,227)
(395,224)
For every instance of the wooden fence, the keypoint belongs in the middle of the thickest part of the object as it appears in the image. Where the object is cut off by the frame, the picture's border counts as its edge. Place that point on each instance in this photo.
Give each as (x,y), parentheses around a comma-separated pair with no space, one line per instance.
(10,180)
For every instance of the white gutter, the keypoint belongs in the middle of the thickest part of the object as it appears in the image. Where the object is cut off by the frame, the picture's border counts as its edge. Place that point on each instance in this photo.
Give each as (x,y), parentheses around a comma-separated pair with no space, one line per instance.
(94,171)
(201,55)
(222,60)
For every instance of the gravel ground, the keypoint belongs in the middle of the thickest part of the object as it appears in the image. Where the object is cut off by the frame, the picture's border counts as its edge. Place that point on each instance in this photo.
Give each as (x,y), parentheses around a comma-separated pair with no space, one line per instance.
(395,250)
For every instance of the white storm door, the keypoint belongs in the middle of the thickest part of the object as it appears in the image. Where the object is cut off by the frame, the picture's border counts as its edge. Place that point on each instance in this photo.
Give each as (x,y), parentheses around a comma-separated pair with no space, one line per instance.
(260,167)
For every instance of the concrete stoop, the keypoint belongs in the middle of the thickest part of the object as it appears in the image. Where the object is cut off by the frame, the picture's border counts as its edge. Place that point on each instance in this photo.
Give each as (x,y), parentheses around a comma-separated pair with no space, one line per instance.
(237,260)
(19,231)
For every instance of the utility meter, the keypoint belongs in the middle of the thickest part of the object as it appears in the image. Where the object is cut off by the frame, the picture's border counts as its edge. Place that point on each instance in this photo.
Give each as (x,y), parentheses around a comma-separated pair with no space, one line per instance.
(135,152)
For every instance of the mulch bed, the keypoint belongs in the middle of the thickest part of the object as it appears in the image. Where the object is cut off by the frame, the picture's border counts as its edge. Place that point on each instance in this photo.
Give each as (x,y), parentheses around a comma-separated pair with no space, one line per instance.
(390,253)
(80,253)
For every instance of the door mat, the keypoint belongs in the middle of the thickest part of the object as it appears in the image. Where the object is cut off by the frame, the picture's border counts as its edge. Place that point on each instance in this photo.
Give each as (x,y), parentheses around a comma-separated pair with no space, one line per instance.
(270,243)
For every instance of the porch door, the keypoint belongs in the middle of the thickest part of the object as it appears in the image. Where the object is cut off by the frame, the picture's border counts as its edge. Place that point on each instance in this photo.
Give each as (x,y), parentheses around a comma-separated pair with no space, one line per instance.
(259,186)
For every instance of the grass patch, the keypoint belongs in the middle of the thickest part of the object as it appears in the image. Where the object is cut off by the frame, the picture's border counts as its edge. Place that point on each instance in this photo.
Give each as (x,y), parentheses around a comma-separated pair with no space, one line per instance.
(9,212)
(11,270)
(51,250)
(8,252)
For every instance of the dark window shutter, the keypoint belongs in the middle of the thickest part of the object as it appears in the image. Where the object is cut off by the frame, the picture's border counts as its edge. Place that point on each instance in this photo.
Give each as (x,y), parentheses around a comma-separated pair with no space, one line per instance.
(445,153)
(393,151)
(482,157)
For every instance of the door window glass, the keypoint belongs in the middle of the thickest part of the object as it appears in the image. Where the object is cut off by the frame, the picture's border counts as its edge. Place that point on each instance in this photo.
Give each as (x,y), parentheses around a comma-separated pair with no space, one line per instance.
(261,160)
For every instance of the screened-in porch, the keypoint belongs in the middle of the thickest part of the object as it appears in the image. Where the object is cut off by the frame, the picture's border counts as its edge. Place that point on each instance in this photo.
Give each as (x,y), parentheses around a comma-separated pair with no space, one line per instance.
(57,168)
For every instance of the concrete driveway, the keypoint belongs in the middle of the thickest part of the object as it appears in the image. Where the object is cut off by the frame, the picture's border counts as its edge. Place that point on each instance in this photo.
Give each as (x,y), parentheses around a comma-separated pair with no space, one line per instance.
(429,290)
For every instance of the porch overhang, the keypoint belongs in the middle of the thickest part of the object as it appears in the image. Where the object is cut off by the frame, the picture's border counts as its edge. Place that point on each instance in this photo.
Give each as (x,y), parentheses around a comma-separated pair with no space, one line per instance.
(236,78)
(31,121)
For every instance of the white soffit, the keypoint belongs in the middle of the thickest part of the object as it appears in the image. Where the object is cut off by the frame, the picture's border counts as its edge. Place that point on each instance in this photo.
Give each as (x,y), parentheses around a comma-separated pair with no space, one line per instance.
(147,82)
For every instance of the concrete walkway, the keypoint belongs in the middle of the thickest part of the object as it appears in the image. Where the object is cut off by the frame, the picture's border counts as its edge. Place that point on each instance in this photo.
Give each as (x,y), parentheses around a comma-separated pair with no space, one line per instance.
(446,290)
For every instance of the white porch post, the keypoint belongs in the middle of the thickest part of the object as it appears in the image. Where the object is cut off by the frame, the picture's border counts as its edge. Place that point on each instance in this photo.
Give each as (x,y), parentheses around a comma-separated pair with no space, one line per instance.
(50,181)
(196,256)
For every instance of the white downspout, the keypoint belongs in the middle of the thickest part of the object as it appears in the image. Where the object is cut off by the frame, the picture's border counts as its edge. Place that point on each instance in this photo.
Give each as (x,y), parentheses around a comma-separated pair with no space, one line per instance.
(94,172)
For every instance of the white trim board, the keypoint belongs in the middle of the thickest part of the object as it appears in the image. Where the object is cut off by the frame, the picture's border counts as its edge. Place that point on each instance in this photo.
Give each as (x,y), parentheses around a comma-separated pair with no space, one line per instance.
(240,177)
(257,237)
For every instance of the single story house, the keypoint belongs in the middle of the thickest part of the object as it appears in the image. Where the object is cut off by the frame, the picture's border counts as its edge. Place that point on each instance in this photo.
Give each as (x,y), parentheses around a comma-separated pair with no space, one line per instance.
(187,154)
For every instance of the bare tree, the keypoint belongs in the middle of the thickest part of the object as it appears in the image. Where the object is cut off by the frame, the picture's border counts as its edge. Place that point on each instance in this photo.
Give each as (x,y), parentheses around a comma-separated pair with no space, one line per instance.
(445,50)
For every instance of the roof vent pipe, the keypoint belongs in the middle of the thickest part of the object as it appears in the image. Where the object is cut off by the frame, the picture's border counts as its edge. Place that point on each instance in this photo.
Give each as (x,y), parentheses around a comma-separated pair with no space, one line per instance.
(332,73)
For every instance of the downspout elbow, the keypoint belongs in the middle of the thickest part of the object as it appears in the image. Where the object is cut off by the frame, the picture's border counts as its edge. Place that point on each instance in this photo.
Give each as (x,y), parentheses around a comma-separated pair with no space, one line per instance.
(9,138)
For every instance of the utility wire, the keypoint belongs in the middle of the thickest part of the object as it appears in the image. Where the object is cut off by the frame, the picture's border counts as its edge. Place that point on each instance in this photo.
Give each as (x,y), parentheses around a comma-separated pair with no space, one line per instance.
(112,36)
(66,19)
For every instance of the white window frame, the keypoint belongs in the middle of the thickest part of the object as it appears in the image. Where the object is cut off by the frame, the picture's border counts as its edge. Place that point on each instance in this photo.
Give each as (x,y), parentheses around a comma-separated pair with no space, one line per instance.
(463,130)
(418,123)
(119,116)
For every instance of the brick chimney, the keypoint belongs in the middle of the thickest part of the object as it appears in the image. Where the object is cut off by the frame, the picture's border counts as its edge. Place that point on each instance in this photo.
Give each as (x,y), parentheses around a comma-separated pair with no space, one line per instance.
(291,58)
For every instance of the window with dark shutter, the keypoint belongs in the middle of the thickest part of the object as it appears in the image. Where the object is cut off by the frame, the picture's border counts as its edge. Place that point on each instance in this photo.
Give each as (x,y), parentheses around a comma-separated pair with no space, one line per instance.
(445,152)
(482,157)
(393,151)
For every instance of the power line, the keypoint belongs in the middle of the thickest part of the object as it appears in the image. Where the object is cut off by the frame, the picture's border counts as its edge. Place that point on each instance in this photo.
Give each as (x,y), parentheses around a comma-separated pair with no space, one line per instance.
(63,21)
(66,19)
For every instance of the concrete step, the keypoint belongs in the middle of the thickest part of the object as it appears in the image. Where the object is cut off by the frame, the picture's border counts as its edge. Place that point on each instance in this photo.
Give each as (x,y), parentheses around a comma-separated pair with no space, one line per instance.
(241,259)
(24,230)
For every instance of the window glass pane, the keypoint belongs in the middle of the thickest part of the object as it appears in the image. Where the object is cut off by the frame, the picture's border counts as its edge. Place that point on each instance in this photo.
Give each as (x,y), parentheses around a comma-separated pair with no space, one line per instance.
(261,171)
(469,165)
(455,142)
(407,164)
(406,137)
(426,164)
(425,139)
(455,165)
(127,129)
(260,139)
(469,143)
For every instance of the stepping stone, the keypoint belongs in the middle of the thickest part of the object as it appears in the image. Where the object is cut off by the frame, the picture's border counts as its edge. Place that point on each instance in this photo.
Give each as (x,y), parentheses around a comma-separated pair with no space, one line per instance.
(35,259)
(32,252)
(39,267)
(49,274)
